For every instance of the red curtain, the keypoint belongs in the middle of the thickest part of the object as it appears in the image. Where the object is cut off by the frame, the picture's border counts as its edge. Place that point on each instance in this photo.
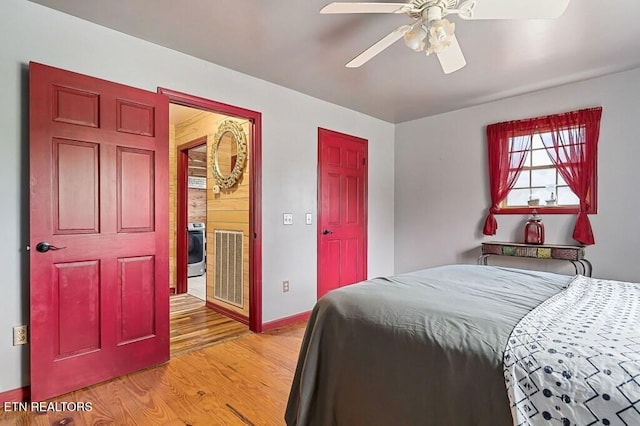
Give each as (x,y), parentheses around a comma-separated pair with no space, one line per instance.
(573,149)
(505,162)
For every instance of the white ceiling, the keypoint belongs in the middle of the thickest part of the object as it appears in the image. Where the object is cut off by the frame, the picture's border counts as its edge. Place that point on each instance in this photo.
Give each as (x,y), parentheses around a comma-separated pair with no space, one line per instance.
(289,43)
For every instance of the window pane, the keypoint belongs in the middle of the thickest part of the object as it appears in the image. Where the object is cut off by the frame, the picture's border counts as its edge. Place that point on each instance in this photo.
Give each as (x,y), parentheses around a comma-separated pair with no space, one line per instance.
(566,196)
(518,197)
(518,143)
(515,160)
(538,193)
(543,177)
(562,154)
(546,136)
(541,158)
(537,140)
(523,180)
(561,180)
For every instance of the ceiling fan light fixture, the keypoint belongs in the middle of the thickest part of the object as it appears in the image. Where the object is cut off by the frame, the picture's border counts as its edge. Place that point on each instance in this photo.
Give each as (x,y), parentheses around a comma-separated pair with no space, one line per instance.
(431,33)
(440,33)
(415,38)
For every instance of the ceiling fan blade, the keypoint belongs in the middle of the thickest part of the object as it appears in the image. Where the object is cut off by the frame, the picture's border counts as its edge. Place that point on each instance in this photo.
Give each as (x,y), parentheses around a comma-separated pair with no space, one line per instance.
(451,59)
(514,9)
(378,47)
(367,8)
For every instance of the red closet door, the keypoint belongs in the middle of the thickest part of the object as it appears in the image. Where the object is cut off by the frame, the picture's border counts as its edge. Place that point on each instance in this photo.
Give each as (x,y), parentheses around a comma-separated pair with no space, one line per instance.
(342,210)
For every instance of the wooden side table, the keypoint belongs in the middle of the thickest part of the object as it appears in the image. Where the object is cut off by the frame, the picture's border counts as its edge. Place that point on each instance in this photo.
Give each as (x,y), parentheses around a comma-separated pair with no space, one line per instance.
(573,254)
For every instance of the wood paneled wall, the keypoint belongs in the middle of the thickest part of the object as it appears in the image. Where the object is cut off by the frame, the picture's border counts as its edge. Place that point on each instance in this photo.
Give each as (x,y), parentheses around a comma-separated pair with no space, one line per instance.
(197,202)
(196,197)
(228,210)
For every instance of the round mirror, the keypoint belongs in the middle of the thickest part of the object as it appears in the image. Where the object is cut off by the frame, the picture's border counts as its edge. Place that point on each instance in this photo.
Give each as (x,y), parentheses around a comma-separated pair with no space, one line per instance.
(229,154)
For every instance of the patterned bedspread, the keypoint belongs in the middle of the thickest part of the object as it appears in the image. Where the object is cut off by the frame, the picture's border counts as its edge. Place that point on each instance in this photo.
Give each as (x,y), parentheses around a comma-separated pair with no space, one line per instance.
(575,359)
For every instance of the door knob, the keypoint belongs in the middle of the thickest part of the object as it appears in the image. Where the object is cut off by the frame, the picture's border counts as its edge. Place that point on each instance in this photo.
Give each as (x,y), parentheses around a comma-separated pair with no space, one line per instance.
(326,231)
(44,247)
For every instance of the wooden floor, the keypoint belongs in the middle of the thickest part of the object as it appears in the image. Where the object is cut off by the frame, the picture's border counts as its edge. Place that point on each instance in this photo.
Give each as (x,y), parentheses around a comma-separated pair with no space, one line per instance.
(242,381)
(194,326)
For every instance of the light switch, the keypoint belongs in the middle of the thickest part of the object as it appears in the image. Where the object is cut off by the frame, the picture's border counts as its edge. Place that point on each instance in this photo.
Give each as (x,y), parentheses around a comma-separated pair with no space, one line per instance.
(307,218)
(287,218)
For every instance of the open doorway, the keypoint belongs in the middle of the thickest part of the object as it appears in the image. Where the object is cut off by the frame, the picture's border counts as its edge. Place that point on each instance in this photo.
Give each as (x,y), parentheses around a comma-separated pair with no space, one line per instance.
(188,249)
(214,221)
(247,188)
(196,206)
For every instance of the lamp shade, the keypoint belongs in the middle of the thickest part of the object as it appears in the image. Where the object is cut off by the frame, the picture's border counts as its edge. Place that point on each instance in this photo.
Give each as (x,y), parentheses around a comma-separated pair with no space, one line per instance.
(440,33)
(415,38)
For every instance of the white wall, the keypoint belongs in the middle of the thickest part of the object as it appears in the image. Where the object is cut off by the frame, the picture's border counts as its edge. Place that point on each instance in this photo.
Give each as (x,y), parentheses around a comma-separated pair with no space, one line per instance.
(442,190)
(31,32)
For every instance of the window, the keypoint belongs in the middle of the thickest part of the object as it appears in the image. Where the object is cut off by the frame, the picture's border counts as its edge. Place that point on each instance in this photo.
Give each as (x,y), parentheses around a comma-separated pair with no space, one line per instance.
(540,184)
(545,163)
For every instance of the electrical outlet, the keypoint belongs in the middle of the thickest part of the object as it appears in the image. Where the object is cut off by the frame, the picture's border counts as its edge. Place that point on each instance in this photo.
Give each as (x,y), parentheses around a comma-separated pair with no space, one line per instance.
(285,286)
(20,335)
(287,218)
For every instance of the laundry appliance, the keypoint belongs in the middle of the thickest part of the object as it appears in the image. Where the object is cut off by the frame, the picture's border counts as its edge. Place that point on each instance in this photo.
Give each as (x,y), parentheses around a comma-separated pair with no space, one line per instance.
(196,246)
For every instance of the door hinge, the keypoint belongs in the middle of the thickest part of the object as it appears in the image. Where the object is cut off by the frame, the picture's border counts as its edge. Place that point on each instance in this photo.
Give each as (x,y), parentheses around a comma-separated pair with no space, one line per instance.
(364,161)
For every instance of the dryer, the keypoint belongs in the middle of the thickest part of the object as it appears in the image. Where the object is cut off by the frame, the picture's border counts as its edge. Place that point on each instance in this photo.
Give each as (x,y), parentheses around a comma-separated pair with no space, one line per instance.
(196,249)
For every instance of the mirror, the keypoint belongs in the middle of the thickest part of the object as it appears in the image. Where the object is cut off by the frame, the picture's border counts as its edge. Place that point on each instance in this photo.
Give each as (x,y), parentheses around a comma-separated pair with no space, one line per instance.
(229,154)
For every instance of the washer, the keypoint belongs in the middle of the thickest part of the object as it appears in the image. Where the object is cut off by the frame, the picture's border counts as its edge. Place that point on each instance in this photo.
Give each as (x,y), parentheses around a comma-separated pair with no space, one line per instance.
(196,249)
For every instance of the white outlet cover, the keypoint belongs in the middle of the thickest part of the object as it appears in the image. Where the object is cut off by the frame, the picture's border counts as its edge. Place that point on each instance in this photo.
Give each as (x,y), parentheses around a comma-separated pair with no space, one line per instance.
(308,218)
(20,336)
(287,218)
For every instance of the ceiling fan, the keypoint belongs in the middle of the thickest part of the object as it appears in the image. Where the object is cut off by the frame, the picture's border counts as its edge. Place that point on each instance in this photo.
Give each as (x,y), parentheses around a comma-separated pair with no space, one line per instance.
(432,33)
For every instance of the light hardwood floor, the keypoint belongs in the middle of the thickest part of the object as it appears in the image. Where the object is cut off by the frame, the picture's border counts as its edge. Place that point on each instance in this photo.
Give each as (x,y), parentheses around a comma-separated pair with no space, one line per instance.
(194,326)
(243,381)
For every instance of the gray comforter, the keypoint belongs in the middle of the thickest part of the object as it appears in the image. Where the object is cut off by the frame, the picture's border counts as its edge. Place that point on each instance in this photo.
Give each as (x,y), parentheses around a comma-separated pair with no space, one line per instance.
(423,348)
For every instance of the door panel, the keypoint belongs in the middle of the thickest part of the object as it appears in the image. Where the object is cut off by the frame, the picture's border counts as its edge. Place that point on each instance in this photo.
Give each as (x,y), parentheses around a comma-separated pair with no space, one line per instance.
(332,155)
(331,256)
(136,118)
(75,172)
(349,263)
(352,158)
(342,214)
(353,215)
(75,106)
(136,308)
(135,203)
(77,310)
(99,195)
(331,208)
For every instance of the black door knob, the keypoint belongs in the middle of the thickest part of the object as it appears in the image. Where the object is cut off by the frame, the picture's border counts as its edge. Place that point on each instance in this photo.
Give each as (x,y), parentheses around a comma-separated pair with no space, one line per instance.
(44,247)
(326,231)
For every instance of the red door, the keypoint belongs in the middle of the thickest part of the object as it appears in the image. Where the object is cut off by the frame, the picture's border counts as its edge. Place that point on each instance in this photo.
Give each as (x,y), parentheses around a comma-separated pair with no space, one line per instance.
(342,210)
(99,230)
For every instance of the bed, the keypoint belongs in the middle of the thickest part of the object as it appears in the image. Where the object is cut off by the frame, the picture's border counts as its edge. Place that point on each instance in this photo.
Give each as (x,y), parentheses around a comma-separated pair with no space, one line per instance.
(438,347)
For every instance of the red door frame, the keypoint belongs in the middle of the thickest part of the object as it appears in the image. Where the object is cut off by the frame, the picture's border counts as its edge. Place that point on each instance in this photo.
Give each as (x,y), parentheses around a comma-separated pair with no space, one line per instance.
(365,142)
(255,191)
(182,219)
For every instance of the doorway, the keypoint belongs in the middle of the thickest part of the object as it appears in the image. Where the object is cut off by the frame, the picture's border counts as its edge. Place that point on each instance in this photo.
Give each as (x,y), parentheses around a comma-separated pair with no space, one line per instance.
(192,184)
(221,223)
